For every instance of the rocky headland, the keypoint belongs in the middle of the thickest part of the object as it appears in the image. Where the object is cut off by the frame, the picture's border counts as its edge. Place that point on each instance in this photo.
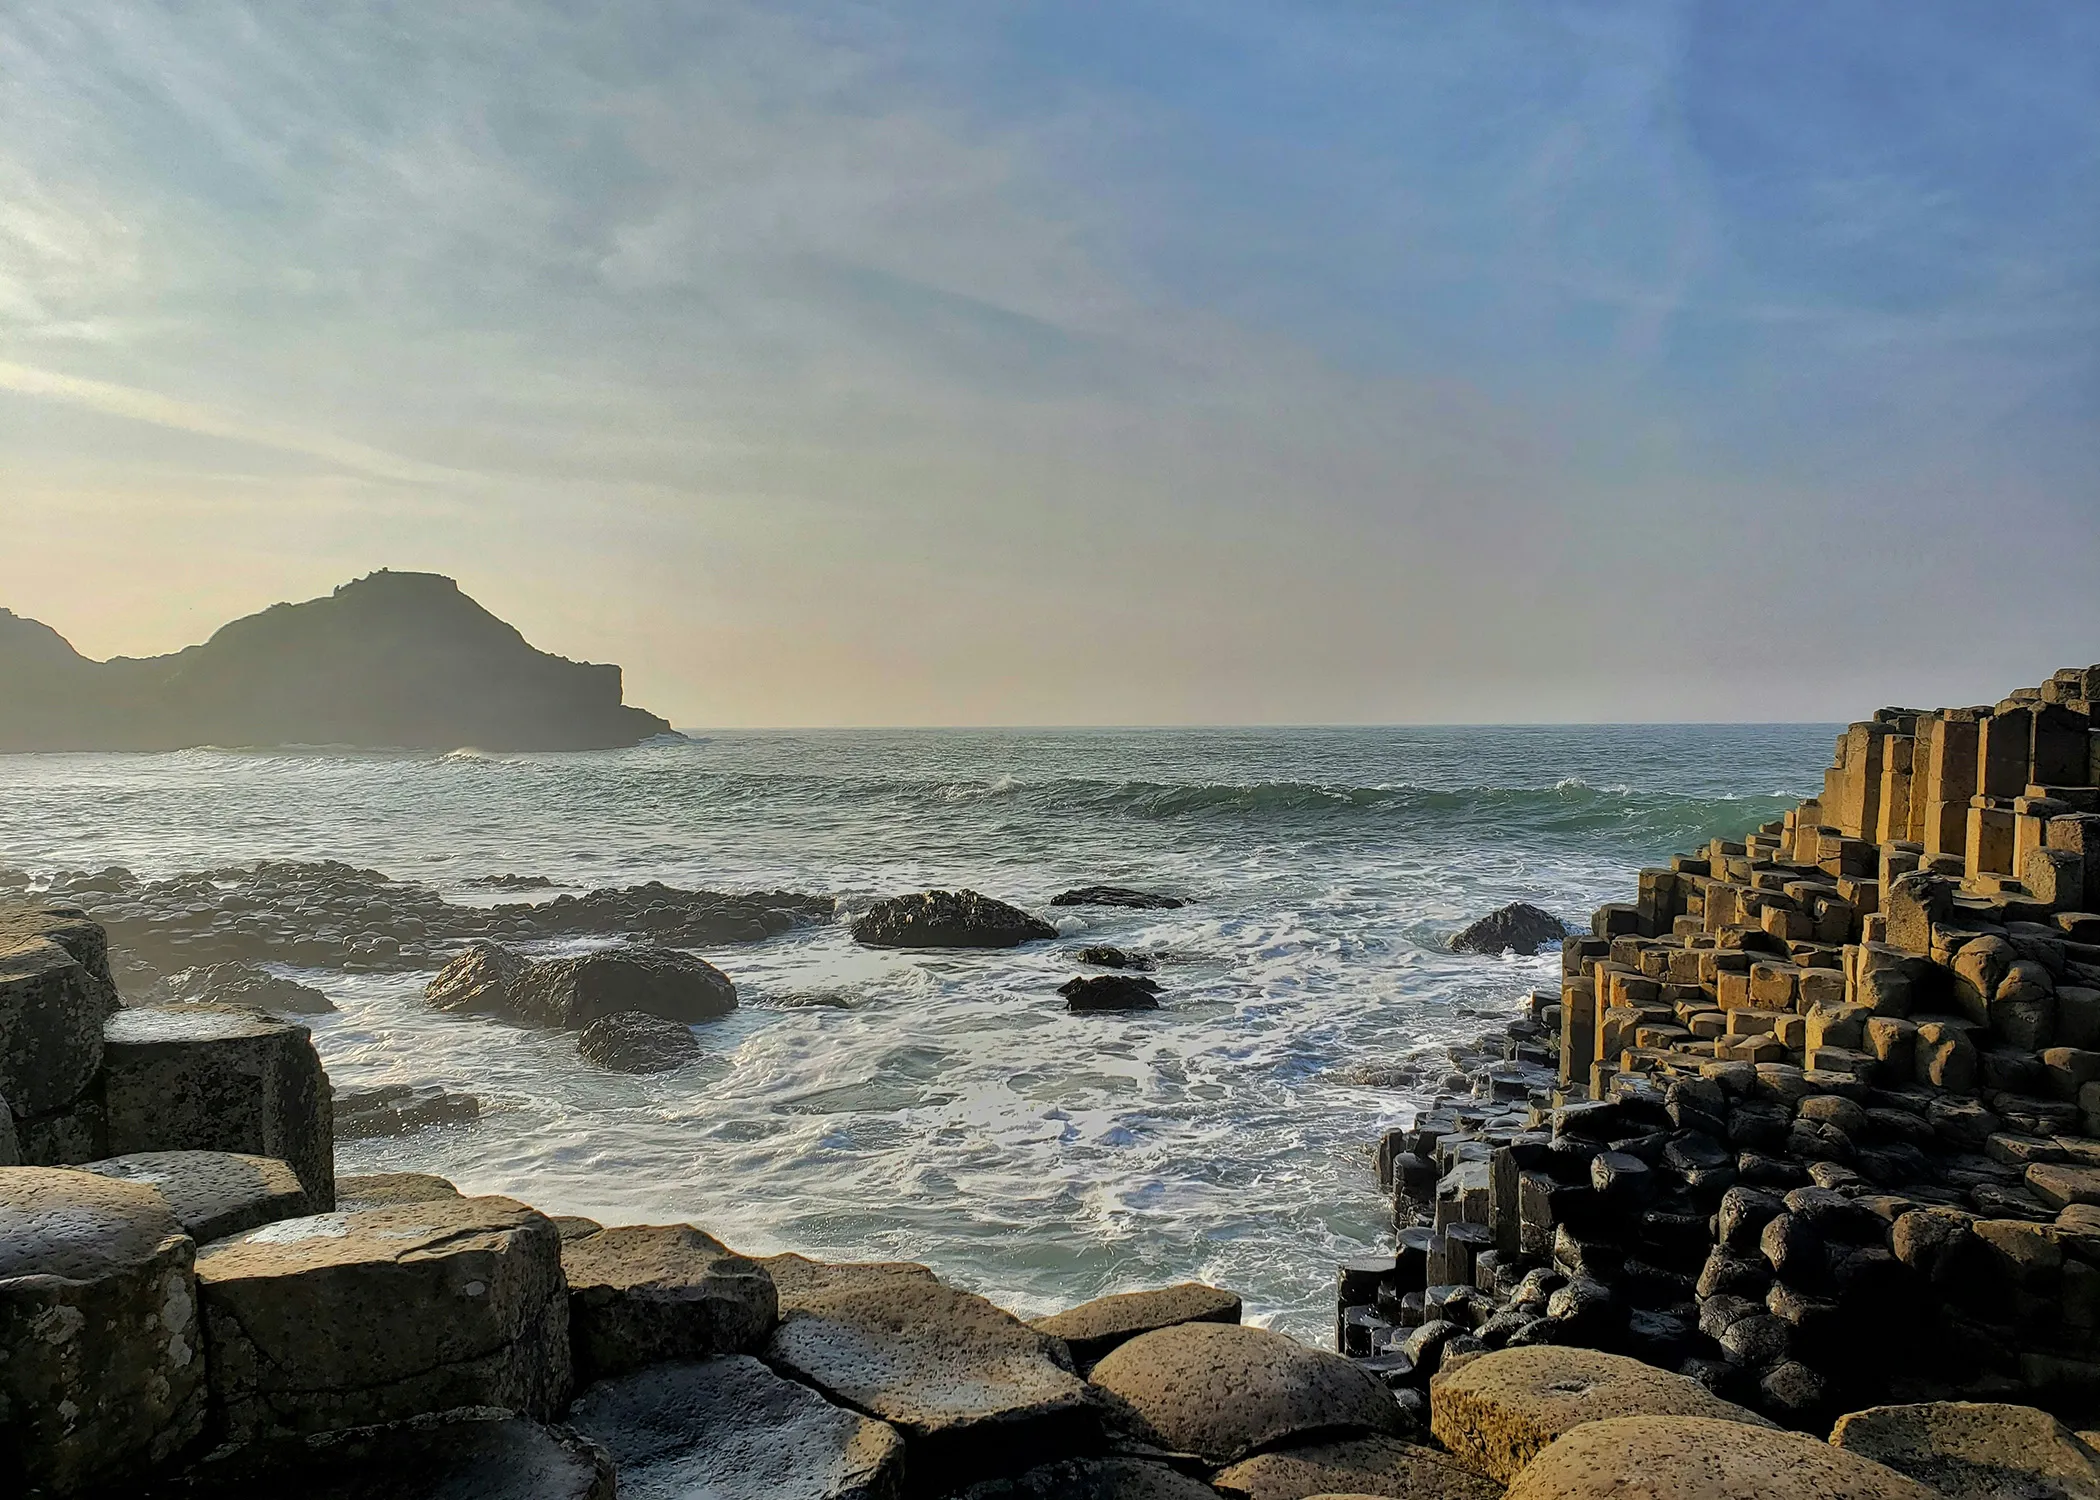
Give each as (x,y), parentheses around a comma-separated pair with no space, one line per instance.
(1792,1188)
(392,660)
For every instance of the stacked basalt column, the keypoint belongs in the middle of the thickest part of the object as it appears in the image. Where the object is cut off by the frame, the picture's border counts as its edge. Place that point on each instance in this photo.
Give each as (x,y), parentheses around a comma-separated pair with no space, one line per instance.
(1827,1125)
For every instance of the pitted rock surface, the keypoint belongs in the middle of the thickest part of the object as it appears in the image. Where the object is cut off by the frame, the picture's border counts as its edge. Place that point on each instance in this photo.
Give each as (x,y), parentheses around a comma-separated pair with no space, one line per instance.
(52,1006)
(642,1294)
(1975,1450)
(448,1456)
(1501,1410)
(730,1429)
(389,1189)
(1094,1479)
(1702,1458)
(1093,1328)
(975,1391)
(1223,1391)
(633,1041)
(1381,1466)
(191,1077)
(103,1372)
(948,919)
(345,1320)
(214,1193)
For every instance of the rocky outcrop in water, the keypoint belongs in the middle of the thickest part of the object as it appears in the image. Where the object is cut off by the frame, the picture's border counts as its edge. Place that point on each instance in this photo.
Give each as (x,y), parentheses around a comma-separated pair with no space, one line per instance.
(948,919)
(393,659)
(571,993)
(633,1041)
(1117,895)
(1519,926)
(1101,992)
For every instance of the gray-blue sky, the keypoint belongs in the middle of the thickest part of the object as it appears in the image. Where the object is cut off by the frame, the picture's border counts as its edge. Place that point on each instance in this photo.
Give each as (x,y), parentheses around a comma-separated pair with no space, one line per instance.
(1149,361)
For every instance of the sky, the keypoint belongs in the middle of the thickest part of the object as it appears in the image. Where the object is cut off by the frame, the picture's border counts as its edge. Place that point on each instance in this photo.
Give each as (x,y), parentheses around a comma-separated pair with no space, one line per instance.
(1162,361)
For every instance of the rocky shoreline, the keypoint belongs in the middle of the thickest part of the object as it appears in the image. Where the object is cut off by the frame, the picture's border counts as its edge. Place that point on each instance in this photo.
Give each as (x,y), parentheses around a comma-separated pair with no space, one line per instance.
(1811,1128)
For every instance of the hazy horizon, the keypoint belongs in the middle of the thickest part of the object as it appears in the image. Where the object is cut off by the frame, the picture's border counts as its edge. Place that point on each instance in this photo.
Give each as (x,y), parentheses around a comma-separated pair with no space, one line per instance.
(924,364)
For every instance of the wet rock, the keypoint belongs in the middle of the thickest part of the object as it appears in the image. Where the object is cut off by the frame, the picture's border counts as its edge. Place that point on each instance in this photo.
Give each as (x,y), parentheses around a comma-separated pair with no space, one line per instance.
(1502,1410)
(219,1078)
(1701,1458)
(214,1193)
(1102,956)
(1353,1467)
(239,983)
(1100,992)
(632,1041)
(103,1374)
(446,1456)
(642,1294)
(482,977)
(52,1008)
(347,1320)
(400,1109)
(1093,1328)
(975,1391)
(389,1190)
(513,882)
(730,1429)
(1519,926)
(1116,895)
(1975,1450)
(948,919)
(1224,1390)
(573,992)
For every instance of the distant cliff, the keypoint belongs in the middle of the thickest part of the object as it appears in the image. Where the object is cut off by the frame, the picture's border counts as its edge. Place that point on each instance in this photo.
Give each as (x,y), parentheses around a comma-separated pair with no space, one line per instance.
(394,659)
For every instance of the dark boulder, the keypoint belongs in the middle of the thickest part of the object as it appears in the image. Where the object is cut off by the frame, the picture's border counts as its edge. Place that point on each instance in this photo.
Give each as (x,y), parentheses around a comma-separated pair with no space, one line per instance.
(237,983)
(948,919)
(1109,992)
(633,1041)
(1116,895)
(573,992)
(481,978)
(1102,956)
(1519,926)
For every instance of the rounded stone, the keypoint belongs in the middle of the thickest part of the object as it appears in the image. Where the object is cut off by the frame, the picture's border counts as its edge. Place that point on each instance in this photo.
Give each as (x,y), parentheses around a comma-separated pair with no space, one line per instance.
(1501,1410)
(1092,1329)
(573,992)
(1224,1390)
(948,919)
(103,1373)
(1702,1458)
(731,1429)
(1380,1466)
(1980,1449)
(640,1294)
(633,1041)
(214,1193)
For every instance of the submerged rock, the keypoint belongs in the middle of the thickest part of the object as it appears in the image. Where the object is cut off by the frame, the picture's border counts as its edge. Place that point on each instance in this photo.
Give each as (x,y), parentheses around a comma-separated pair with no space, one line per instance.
(1116,895)
(1102,956)
(400,1109)
(238,983)
(1099,992)
(1519,926)
(480,978)
(948,919)
(633,1041)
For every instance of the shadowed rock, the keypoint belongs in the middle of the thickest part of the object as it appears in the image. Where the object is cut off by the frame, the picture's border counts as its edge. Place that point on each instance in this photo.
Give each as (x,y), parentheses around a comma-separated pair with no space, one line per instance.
(214,1193)
(948,919)
(1380,1466)
(1116,895)
(1102,956)
(730,1429)
(1519,926)
(1975,1450)
(53,1003)
(237,983)
(1098,992)
(1094,1479)
(1223,1390)
(631,1041)
(400,1109)
(1093,1328)
(1702,1458)
(640,1294)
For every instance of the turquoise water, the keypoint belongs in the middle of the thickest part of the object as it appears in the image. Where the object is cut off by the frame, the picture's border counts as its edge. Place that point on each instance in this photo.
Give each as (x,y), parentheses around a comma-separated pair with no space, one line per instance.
(944,1107)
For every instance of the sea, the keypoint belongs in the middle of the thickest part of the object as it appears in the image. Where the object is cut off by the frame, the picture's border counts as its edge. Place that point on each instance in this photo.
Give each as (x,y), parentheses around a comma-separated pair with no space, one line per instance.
(944,1107)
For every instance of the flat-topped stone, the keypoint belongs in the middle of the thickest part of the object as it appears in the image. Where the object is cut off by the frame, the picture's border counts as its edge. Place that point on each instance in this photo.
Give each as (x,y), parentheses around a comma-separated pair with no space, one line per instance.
(1093,1328)
(101,1357)
(52,1007)
(1975,1450)
(640,1294)
(731,1429)
(1377,1466)
(191,1077)
(975,1391)
(1224,1390)
(389,1189)
(1702,1458)
(1501,1410)
(345,1320)
(448,1456)
(1093,1479)
(214,1193)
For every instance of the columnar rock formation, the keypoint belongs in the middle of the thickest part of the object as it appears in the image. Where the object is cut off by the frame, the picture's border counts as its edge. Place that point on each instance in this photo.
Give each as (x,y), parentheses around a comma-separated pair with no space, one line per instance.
(1815,1118)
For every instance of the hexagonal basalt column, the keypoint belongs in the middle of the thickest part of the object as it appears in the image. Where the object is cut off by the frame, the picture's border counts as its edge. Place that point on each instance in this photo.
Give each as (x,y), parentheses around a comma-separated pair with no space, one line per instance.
(101,1362)
(219,1078)
(214,1193)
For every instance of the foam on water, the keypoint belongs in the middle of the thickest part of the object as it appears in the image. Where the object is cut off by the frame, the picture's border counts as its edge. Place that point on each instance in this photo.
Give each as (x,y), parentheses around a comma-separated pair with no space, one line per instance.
(944,1107)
